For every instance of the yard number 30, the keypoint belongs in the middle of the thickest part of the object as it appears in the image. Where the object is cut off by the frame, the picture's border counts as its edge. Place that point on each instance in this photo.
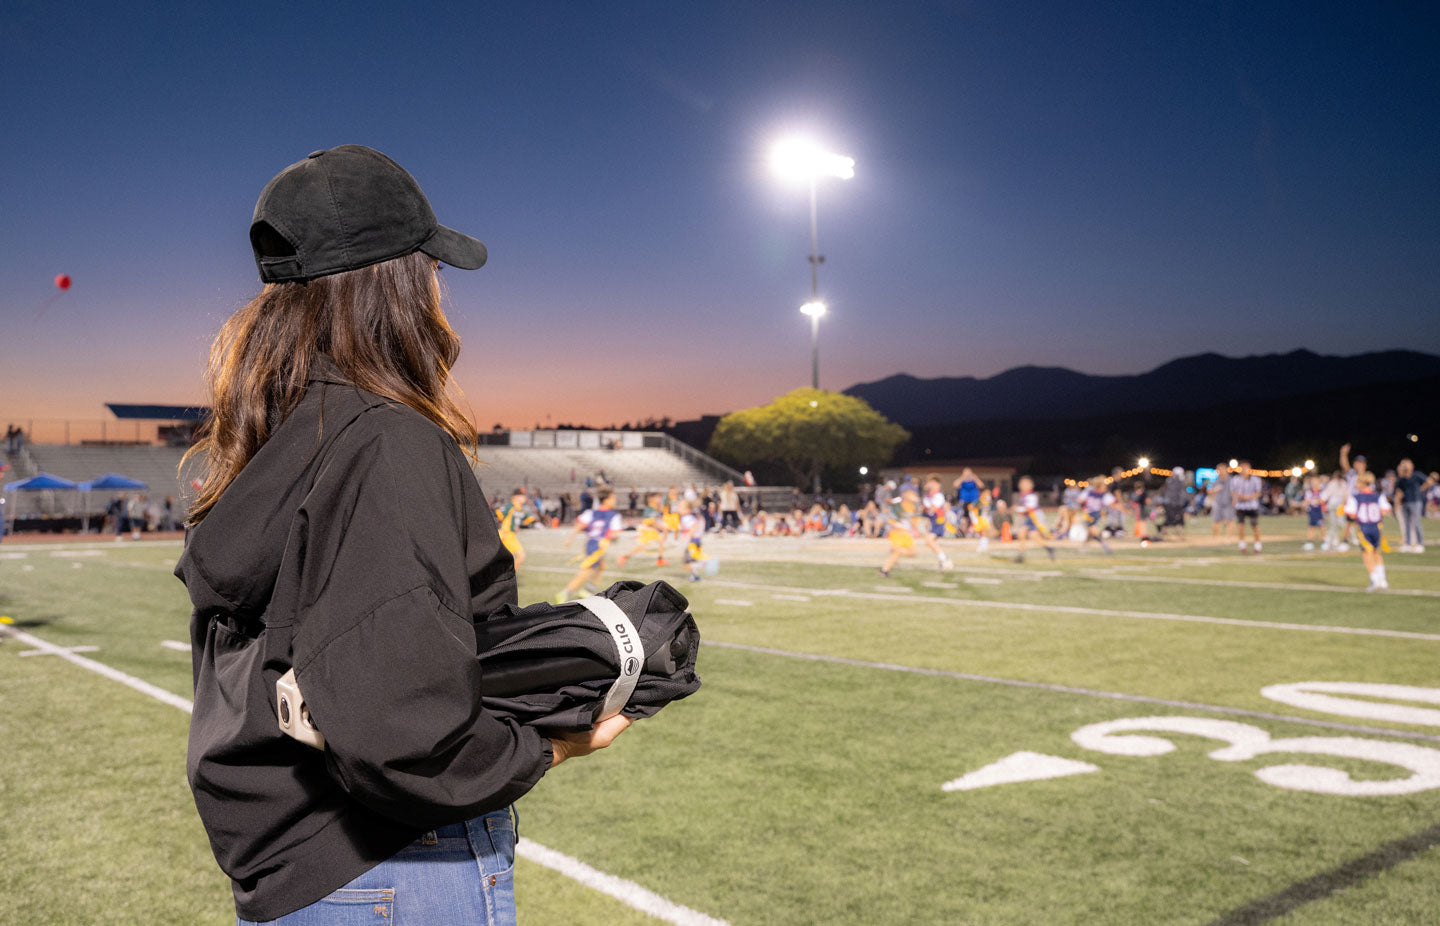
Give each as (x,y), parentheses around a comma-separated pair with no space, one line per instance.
(1122,738)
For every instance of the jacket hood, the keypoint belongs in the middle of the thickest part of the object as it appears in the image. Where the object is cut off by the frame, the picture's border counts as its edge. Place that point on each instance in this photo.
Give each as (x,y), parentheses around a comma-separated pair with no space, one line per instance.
(232,557)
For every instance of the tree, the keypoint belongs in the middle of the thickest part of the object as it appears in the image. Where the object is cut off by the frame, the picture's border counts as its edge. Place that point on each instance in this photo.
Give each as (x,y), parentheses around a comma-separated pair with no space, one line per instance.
(807,430)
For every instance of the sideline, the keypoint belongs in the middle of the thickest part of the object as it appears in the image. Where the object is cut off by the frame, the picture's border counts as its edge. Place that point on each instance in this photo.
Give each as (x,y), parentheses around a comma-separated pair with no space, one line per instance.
(627,892)
(1072,690)
(1073,609)
(1241,583)
(909,596)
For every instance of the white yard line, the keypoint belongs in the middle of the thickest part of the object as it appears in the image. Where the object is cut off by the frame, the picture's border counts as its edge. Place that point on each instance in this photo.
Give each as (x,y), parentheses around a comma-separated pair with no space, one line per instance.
(56,652)
(1110,575)
(115,675)
(1098,612)
(627,892)
(176,645)
(95,544)
(1073,690)
(1328,560)
(888,593)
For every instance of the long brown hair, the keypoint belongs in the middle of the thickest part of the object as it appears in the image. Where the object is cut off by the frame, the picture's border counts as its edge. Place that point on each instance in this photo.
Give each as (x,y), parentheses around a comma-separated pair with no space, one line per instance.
(382,325)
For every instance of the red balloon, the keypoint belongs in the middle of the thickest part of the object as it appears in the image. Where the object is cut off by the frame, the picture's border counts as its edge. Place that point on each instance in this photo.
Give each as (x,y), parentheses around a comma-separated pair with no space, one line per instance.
(62,281)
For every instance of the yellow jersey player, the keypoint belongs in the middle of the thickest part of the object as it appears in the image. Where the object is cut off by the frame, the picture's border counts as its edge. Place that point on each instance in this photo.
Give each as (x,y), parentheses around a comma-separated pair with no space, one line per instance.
(692,532)
(901,522)
(509,520)
(650,530)
(670,512)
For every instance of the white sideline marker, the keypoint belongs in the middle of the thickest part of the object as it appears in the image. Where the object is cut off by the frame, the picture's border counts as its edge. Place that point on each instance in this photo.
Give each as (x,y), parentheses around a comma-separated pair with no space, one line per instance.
(1018,767)
(130,681)
(1098,612)
(8,555)
(176,645)
(791,597)
(939,584)
(58,650)
(977,580)
(735,602)
(627,892)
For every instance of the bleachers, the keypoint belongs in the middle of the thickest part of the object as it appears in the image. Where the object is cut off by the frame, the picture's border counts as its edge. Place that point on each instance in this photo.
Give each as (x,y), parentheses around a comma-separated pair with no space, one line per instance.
(551,470)
(554,471)
(155,466)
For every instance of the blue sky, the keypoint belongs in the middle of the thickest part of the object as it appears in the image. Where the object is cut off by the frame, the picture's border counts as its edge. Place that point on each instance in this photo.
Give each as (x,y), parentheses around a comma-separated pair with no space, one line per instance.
(1099,186)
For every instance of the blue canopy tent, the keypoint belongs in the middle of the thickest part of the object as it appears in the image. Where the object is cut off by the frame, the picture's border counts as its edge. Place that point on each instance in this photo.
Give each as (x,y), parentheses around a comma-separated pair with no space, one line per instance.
(112,481)
(40,482)
(107,481)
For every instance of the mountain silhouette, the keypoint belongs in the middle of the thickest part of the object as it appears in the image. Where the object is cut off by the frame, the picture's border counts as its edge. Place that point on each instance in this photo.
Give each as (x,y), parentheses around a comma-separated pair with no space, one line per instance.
(1203,381)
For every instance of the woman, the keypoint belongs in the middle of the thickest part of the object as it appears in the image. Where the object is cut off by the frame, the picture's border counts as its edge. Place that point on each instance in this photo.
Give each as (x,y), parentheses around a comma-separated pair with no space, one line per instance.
(340,534)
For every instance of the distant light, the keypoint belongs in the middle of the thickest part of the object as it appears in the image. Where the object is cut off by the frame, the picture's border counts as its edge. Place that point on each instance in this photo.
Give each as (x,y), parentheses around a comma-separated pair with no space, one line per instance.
(1234,462)
(814,403)
(1296,471)
(799,159)
(864,470)
(1143,462)
(1309,464)
(813,309)
(1414,438)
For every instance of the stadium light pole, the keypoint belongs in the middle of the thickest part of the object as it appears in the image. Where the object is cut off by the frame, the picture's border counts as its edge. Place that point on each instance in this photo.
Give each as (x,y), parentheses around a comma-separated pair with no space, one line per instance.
(797,159)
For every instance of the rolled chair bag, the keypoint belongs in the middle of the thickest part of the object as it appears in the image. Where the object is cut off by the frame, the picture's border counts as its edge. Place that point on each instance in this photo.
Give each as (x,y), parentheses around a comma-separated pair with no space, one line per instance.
(629,650)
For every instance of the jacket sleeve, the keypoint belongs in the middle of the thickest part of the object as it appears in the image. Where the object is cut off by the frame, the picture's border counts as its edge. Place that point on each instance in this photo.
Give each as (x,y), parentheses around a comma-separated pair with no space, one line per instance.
(384,647)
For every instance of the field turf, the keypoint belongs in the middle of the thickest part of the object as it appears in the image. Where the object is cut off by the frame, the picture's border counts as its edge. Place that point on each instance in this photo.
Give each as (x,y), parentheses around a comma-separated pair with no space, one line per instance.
(803,784)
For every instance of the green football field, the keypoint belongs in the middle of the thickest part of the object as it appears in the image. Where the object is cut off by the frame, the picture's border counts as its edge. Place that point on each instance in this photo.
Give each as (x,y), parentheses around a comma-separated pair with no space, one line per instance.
(1176,734)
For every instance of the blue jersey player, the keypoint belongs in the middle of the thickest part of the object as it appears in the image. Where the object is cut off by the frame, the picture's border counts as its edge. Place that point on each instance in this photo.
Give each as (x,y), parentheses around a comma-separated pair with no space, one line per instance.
(1366,507)
(601,524)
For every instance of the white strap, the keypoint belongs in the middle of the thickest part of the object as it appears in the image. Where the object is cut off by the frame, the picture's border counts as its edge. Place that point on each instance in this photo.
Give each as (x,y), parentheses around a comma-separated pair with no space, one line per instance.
(628,648)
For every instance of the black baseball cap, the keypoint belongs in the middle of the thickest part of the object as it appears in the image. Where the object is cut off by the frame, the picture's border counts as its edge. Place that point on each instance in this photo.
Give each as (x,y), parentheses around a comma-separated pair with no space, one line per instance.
(345,208)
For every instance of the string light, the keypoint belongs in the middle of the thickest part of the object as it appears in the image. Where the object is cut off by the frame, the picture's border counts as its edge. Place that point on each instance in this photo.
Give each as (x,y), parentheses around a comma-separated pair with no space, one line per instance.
(1294,471)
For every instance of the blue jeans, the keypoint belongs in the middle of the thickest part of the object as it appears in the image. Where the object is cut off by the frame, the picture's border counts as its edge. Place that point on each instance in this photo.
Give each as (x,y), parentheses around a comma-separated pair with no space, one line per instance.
(456,875)
(1412,517)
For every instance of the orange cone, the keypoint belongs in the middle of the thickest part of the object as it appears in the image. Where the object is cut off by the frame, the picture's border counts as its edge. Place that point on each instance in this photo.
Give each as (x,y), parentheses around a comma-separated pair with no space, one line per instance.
(1005,535)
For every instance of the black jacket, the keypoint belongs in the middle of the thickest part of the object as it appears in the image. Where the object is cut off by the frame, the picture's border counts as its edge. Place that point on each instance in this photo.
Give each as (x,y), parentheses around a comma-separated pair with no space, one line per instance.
(357,547)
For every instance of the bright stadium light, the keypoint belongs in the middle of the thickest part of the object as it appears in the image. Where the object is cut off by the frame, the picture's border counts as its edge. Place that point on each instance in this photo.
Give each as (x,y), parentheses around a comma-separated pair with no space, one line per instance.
(1296,471)
(864,470)
(1234,462)
(1309,464)
(800,159)
(1143,462)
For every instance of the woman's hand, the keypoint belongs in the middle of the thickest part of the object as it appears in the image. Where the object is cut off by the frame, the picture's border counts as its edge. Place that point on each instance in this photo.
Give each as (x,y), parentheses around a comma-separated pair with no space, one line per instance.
(570,745)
